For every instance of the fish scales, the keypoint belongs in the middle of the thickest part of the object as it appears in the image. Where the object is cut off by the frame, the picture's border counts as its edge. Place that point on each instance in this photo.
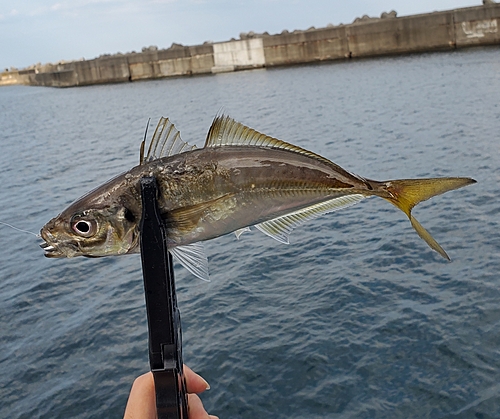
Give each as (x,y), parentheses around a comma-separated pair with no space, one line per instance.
(207,191)
(273,181)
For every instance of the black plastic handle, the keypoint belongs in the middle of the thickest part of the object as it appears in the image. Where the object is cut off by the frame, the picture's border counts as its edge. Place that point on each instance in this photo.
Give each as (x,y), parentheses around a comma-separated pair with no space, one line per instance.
(164,320)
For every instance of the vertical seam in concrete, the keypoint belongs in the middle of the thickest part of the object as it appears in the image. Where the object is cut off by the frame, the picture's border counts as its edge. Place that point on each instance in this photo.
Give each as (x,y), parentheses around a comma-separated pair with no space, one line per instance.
(347,37)
(249,52)
(129,76)
(453,30)
(129,71)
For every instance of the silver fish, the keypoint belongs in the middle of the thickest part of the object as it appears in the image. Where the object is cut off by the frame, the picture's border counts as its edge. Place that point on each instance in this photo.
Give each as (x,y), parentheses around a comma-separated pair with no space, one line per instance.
(240,178)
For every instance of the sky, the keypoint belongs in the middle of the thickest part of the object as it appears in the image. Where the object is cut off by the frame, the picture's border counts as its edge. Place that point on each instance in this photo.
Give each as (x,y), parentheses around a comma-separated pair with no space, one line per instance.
(48,31)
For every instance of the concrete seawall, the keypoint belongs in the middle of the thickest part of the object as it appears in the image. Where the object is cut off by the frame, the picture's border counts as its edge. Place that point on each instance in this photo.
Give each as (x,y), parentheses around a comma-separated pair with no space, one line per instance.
(446,30)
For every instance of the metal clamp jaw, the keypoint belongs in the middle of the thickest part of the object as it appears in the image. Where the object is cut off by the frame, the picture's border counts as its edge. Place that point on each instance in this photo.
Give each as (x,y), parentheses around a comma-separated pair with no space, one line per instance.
(164,321)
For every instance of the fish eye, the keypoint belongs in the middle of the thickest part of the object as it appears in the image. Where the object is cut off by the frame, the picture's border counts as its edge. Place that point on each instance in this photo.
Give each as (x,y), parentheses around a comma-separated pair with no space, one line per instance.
(83,228)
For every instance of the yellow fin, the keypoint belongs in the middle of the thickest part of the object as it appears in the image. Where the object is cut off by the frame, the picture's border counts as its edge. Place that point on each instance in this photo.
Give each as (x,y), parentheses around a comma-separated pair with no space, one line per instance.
(425,235)
(225,131)
(406,193)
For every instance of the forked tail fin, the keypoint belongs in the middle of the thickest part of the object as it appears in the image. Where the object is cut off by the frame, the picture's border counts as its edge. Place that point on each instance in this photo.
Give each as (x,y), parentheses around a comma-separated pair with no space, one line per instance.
(406,193)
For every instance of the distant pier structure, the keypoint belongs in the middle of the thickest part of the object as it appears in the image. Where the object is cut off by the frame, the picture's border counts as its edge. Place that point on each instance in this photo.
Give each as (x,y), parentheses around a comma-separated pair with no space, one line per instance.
(365,37)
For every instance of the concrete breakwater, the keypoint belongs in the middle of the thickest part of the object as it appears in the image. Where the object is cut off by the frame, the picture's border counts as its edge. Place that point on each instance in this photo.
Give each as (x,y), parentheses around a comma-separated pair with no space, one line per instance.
(366,37)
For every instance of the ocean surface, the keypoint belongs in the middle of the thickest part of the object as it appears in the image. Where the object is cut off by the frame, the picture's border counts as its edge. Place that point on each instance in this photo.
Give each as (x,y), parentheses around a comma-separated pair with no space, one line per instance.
(356,318)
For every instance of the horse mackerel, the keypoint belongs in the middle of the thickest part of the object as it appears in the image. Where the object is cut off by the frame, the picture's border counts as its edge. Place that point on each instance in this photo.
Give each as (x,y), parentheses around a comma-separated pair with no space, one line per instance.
(240,178)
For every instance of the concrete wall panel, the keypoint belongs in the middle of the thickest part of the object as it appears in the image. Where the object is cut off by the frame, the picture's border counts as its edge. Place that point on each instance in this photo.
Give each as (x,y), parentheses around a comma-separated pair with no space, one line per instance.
(202,64)
(205,49)
(141,70)
(478,26)
(113,70)
(306,47)
(101,70)
(401,35)
(175,67)
(173,53)
(181,66)
(239,54)
(56,79)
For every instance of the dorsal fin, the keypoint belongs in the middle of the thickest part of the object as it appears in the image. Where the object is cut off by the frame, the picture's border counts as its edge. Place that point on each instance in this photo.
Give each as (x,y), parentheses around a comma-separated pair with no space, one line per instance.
(166,141)
(225,131)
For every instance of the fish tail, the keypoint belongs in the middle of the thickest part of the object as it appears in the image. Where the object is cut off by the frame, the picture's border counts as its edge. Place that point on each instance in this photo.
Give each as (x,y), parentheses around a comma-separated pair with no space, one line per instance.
(406,193)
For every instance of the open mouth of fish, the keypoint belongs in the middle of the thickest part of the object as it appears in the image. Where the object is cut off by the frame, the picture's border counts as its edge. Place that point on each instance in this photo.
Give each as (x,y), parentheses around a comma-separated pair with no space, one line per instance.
(50,251)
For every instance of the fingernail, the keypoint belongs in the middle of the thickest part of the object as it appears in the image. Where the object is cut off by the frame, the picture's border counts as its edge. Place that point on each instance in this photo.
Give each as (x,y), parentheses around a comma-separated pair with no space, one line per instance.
(207,386)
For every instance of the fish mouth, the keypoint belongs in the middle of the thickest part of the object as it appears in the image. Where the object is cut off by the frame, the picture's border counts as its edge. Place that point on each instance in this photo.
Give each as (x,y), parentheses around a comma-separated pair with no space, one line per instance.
(50,251)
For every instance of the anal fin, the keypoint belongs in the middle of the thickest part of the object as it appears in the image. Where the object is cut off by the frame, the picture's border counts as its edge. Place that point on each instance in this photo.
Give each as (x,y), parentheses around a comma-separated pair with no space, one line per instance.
(280,228)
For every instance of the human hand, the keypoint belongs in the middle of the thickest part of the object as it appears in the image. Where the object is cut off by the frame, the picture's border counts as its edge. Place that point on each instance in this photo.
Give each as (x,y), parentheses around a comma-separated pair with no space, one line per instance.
(142,399)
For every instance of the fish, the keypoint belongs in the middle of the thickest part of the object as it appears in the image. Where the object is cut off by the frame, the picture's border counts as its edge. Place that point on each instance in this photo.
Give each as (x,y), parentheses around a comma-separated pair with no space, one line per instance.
(240,178)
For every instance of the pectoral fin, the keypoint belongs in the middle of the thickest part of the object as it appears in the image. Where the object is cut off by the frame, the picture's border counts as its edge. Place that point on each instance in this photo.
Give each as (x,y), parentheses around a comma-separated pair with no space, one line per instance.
(193,258)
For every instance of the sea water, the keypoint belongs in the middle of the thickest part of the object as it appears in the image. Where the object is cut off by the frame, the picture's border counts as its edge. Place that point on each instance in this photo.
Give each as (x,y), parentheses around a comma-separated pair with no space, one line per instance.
(356,318)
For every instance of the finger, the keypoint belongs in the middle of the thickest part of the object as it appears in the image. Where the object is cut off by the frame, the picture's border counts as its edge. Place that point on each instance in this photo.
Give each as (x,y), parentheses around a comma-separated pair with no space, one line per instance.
(141,403)
(196,409)
(194,382)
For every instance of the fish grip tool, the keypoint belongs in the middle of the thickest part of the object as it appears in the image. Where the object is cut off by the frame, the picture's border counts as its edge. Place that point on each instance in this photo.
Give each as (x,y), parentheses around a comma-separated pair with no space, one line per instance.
(164,322)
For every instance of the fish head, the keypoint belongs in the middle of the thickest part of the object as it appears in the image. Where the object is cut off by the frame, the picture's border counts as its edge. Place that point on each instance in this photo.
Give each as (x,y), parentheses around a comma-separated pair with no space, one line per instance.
(92,232)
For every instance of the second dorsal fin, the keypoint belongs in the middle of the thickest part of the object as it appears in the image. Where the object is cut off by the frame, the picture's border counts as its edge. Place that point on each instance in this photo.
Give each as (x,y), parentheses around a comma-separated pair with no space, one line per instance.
(225,131)
(166,141)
